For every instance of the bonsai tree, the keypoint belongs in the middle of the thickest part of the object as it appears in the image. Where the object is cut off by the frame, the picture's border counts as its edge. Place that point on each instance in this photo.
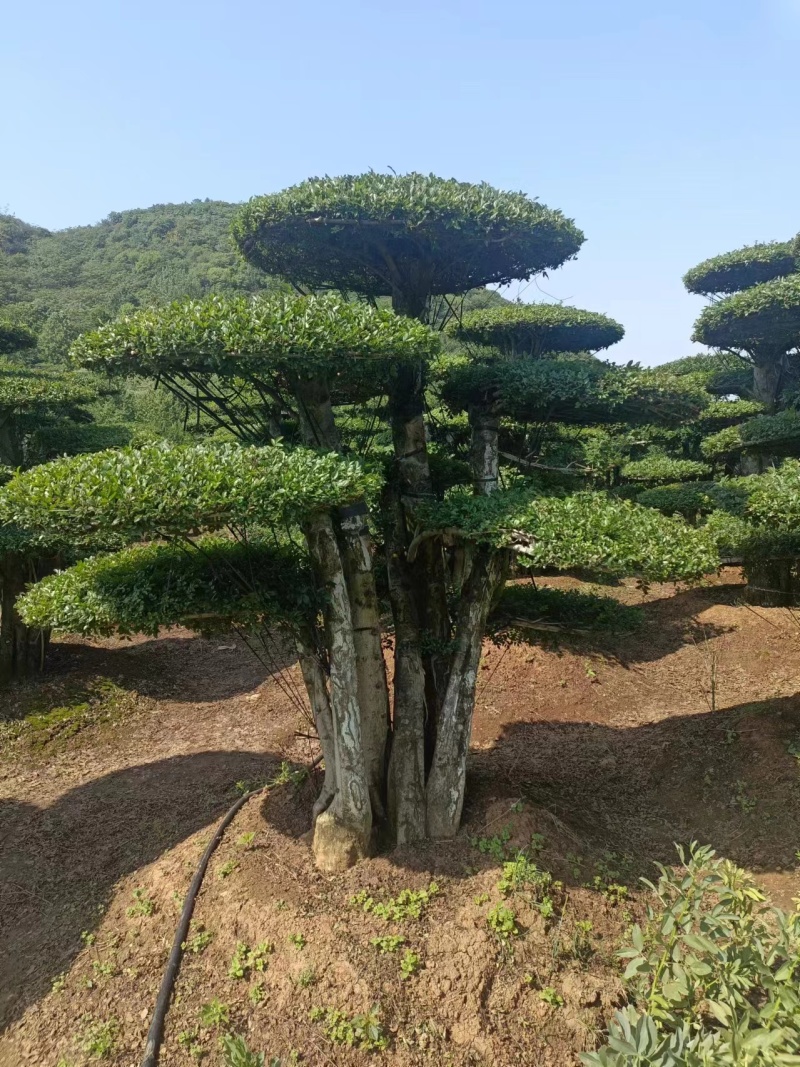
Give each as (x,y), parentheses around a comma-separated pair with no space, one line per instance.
(296,368)
(755,312)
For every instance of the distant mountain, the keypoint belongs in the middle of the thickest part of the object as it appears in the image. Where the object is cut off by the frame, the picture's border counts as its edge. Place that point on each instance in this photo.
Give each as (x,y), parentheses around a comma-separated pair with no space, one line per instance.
(64,282)
(67,281)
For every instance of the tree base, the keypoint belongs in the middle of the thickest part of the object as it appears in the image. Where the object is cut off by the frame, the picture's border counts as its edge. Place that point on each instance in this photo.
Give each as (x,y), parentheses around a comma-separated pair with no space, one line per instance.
(772,584)
(337,847)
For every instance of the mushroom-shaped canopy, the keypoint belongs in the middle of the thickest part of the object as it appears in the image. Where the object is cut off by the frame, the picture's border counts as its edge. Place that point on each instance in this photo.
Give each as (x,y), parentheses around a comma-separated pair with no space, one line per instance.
(533,330)
(409,236)
(742,268)
(762,319)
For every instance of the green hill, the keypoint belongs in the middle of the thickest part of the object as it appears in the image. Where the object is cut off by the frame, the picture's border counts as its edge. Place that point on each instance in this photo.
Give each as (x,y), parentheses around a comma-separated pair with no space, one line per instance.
(64,282)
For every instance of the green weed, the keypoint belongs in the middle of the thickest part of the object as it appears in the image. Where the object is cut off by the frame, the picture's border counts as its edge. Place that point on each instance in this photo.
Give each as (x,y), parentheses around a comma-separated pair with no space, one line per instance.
(236,1053)
(360,1031)
(306,978)
(388,944)
(142,904)
(215,1014)
(298,941)
(100,1038)
(227,869)
(410,964)
(246,960)
(408,904)
(502,921)
(199,941)
(551,997)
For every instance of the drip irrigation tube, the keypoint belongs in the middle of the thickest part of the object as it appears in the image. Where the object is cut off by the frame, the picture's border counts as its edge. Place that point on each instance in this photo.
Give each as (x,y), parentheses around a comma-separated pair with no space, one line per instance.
(156,1032)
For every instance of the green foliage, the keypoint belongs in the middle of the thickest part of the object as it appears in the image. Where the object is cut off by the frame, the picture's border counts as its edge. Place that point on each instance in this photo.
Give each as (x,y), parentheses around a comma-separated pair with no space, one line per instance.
(370,233)
(100,1039)
(215,1014)
(533,330)
(694,499)
(208,586)
(658,467)
(723,444)
(713,974)
(775,497)
(741,269)
(294,336)
(568,609)
(236,1053)
(502,921)
(550,996)
(721,413)
(15,337)
(521,875)
(591,531)
(246,960)
(199,940)
(410,964)
(762,320)
(298,940)
(142,904)
(408,904)
(569,391)
(172,489)
(361,1031)
(36,391)
(67,282)
(389,943)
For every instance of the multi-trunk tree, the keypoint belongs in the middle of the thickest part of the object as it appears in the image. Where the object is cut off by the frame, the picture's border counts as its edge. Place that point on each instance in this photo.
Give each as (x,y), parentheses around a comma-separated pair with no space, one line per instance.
(401,541)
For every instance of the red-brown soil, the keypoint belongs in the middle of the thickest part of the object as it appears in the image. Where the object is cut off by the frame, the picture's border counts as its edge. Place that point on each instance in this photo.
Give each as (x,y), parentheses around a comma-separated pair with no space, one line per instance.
(610,748)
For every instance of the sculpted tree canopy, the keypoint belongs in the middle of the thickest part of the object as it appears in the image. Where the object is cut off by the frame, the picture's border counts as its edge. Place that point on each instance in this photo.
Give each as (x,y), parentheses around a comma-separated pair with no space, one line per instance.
(759,319)
(741,269)
(408,236)
(534,330)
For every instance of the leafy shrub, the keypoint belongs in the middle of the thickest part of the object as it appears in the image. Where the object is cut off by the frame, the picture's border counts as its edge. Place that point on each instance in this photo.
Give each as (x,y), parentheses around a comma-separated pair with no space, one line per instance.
(661,468)
(713,975)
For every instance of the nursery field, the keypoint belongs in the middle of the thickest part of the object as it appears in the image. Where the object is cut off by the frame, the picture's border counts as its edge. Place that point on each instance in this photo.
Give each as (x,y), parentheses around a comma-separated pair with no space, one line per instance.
(594,754)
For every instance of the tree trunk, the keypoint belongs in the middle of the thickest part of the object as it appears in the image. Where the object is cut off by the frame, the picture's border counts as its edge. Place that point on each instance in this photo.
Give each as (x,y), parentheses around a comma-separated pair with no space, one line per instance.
(445,791)
(426,576)
(342,832)
(484,452)
(771,583)
(319,430)
(22,648)
(406,779)
(317,688)
(768,382)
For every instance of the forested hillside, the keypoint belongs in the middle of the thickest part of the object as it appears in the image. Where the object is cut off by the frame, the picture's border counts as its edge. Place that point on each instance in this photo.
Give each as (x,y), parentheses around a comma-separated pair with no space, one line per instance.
(64,282)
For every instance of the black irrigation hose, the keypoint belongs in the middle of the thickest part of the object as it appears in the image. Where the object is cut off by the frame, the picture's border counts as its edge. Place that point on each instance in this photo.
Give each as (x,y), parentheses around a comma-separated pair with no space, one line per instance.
(156,1031)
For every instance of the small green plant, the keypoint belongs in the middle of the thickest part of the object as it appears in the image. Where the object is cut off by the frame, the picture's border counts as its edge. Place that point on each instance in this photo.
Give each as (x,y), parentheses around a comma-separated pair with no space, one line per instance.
(227,869)
(199,940)
(142,904)
(360,1031)
(103,969)
(582,948)
(256,994)
(609,870)
(190,1041)
(745,803)
(99,1039)
(298,941)
(59,984)
(235,1052)
(388,944)
(521,875)
(306,978)
(495,846)
(480,898)
(87,938)
(502,921)
(551,997)
(410,964)
(408,904)
(246,839)
(288,776)
(246,960)
(214,1015)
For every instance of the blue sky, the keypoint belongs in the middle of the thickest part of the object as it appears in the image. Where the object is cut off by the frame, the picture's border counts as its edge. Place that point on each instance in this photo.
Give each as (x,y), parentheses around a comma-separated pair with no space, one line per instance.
(669,132)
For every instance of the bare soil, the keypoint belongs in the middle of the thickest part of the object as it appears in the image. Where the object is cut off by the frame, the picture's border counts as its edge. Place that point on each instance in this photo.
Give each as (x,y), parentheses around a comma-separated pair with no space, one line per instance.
(599,752)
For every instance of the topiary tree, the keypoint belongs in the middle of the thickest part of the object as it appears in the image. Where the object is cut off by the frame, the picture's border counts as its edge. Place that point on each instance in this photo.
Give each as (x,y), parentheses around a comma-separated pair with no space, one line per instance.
(755,312)
(295,368)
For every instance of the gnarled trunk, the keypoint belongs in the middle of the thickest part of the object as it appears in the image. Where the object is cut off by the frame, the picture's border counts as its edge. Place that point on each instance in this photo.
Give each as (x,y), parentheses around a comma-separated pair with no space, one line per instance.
(342,832)
(319,430)
(768,381)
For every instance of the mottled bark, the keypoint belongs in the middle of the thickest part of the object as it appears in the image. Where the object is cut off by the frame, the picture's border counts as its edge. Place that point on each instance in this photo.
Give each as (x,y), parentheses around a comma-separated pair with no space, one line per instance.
(406,778)
(484,451)
(342,831)
(319,430)
(316,683)
(447,779)
(768,381)
(772,583)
